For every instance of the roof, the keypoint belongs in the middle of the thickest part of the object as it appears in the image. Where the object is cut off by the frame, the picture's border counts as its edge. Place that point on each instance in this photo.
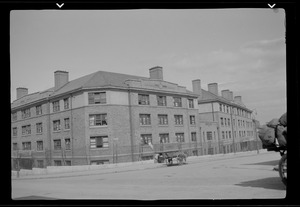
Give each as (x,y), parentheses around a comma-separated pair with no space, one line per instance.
(210,97)
(97,79)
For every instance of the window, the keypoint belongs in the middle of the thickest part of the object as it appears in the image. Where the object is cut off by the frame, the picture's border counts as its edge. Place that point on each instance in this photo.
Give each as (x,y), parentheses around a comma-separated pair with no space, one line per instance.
(222,122)
(55,105)
(97,98)
(26,113)
(98,120)
(145,119)
(57,144)
(26,130)
(209,135)
(67,123)
(223,135)
(146,138)
(57,163)
(192,120)
(228,122)
(226,135)
(164,138)
(15,146)
(66,103)
(179,137)
(67,143)
(39,128)
(143,99)
(38,110)
(227,109)
(191,103)
(26,145)
(15,131)
(68,162)
(39,145)
(163,119)
(161,100)
(220,107)
(194,136)
(229,134)
(177,102)
(14,116)
(99,142)
(210,151)
(56,125)
(40,163)
(178,119)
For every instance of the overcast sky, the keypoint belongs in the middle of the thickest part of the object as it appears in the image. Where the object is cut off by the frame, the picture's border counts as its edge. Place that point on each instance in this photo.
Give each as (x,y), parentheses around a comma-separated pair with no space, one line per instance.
(243,50)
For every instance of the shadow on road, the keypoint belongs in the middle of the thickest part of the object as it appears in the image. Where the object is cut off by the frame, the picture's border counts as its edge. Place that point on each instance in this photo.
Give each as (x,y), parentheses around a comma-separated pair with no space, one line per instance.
(272,163)
(35,198)
(273,183)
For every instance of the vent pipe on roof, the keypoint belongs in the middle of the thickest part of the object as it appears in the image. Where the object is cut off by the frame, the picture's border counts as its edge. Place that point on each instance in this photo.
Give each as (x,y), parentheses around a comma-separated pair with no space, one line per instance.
(60,78)
(21,92)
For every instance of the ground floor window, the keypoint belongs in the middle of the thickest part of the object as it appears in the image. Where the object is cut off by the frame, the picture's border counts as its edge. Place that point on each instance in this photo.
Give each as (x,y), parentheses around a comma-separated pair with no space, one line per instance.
(57,163)
(99,142)
(40,163)
(99,162)
(146,138)
(210,151)
(164,138)
(68,162)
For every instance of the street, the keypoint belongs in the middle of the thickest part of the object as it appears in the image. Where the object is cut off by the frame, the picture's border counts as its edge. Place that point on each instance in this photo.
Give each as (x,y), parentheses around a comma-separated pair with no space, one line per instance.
(231,176)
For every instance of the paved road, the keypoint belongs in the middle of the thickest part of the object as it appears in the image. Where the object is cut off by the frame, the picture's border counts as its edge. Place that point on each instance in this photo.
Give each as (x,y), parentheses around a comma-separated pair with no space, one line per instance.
(239,176)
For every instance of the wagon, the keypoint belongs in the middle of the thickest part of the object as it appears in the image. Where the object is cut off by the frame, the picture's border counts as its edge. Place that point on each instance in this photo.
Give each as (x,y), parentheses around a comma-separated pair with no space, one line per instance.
(171,158)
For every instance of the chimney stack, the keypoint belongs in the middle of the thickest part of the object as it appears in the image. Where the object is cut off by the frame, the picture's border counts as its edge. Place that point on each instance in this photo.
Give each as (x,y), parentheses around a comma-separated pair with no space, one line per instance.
(225,94)
(21,92)
(197,87)
(60,78)
(238,99)
(230,95)
(156,73)
(213,88)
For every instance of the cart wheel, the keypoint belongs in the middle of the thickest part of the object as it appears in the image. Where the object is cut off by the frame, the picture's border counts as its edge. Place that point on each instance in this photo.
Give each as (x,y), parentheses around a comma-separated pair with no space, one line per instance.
(283,169)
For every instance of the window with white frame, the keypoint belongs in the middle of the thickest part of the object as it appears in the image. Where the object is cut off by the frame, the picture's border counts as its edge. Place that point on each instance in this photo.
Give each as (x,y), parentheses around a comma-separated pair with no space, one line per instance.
(146,139)
(161,100)
(98,142)
(66,103)
(177,102)
(98,119)
(209,136)
(67,123)
(145,119)
(56,125)
(162,119)
(143,99)
(39,128)
(26,113)
(193,136)
(192,120)
(26,145)
(178,119)
(179,137)
(191,103)
(164,138)
(97,98)
(55,105)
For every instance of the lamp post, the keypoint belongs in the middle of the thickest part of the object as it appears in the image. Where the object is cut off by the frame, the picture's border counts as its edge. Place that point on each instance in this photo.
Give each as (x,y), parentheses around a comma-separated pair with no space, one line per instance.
(255,132)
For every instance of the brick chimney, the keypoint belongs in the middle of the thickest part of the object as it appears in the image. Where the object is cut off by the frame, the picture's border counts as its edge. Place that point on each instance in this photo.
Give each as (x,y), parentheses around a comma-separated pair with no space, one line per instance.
(197,87)
(21,92)
(238,99)
(225,94)
(156,73)
(230,95)
(60,78)
(213,88)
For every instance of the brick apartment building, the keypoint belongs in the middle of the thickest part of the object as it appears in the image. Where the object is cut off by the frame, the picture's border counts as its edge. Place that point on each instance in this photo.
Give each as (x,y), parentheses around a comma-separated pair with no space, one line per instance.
(103,117)
(107,117)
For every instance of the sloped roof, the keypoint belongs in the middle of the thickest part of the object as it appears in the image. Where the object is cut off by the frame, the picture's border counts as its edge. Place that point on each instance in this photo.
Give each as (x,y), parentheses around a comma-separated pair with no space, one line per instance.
(97,79)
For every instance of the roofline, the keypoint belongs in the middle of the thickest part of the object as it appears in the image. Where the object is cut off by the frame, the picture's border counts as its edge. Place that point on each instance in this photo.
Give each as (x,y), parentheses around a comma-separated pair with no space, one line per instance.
(229,103)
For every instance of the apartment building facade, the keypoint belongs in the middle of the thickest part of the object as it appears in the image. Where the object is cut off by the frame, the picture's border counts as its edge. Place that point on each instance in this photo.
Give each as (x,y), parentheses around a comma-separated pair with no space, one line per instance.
(104,118)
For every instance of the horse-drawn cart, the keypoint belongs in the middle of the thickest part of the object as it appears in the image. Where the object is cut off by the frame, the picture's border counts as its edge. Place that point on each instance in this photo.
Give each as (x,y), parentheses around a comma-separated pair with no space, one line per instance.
(174,157)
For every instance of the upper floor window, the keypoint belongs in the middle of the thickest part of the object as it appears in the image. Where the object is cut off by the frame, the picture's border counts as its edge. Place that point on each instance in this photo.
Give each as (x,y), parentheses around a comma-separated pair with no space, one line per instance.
(67,143)
(209,135)
(26,130)
(39,145)
(193,136)
(14,116)
(222,121)
(192,120)
(97,98)
(191,103)
(67,123)
(220,107)
(145,119)
(39,128)
(26,113)
(38,110)
(99,142)
(164,138)
(56,125)
(55,106)
(178,119)
(15,146)
(177,102)
(66,103)
(15,131)
(161,100)
(143,99)
(57,144)
(98,119)
(163,119)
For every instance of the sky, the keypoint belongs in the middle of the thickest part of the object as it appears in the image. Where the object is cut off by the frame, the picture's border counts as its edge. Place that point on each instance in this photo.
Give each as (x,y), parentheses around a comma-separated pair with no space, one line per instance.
(242,50)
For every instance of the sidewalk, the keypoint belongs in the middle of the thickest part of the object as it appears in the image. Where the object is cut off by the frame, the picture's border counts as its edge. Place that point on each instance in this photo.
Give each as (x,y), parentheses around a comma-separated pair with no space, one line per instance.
(71,171)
